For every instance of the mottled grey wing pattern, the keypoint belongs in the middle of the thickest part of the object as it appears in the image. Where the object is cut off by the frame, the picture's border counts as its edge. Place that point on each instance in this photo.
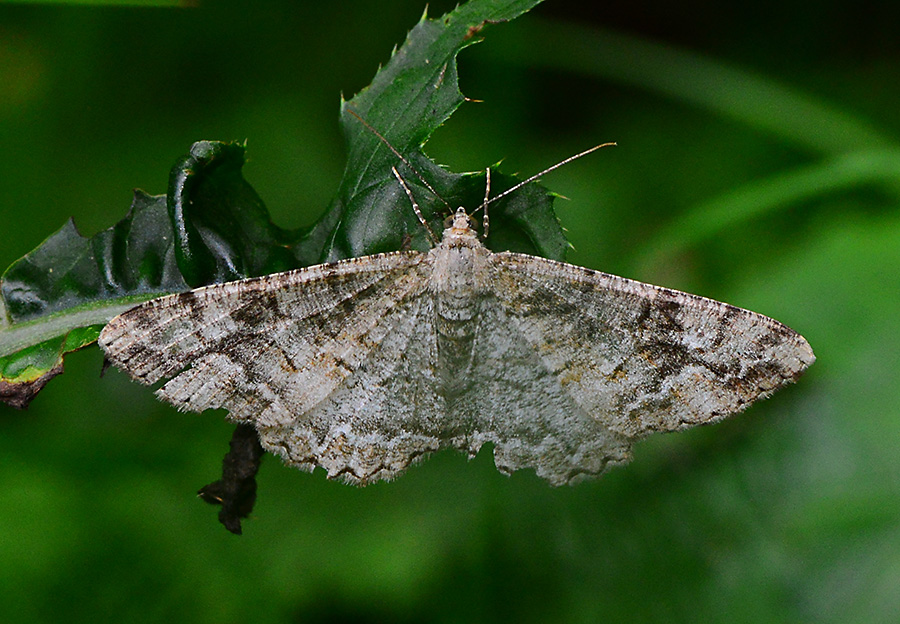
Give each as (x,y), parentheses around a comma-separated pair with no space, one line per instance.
(297,354)
(384,416)
(517,403)
(640,358)
(344,366)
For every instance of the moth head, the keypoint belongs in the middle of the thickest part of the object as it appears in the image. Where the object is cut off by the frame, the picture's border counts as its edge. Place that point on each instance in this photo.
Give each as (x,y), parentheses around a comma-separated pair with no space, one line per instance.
(460,221)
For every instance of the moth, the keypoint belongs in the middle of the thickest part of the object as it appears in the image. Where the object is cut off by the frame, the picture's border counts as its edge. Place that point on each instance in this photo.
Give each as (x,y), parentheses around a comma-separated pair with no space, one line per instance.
(367,365)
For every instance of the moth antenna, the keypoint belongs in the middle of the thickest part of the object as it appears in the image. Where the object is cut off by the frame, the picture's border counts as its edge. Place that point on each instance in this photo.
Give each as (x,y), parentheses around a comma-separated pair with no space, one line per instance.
(415,206)
(402,159)
(486,222)
(546,171)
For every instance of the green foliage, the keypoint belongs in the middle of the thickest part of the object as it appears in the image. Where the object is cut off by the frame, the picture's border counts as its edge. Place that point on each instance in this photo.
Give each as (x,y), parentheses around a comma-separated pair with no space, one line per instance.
(219,228)
(758,150)
(408,100)
(58,297)
(212,227)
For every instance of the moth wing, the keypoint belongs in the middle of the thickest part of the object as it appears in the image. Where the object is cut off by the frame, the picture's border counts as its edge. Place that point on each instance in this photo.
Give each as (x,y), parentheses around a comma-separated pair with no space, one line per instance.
(640,358)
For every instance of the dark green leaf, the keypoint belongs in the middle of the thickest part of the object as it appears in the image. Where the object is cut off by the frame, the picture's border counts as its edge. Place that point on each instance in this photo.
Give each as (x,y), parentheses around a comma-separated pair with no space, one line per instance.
(24,373)
(67,270)
(407,101)
(213,227)
(222,228)
(57,298)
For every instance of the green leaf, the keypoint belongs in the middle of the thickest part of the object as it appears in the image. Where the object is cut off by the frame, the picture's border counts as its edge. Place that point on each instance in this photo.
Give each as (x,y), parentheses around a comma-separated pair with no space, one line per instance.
(407,101)
(222,228)
(70,281)
(24,373)
(212,226)
(57,298)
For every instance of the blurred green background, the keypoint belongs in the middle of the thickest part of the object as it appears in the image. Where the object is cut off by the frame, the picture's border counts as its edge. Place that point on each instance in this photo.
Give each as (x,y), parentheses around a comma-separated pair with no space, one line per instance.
(758,163)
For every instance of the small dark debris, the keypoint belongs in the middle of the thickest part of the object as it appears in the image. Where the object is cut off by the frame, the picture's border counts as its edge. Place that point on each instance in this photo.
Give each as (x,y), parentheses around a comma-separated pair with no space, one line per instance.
(236,490)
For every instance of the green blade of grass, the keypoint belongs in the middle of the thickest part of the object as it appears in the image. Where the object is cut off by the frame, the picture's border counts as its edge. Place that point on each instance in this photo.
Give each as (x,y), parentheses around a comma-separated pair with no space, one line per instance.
(766,196)
(712,84)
